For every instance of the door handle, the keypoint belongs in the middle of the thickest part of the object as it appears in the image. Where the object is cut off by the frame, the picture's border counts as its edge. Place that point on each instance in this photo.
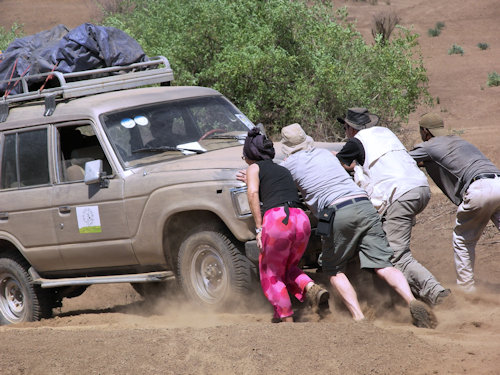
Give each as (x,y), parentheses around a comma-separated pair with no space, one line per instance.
(4,215)
(65,209)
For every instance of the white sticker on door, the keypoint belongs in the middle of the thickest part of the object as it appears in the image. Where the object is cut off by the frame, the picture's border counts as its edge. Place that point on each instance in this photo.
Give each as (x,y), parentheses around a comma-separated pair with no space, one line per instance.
(88,219)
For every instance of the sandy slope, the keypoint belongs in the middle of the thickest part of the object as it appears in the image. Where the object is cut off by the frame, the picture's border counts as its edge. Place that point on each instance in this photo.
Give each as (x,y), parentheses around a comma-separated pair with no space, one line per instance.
(110,330)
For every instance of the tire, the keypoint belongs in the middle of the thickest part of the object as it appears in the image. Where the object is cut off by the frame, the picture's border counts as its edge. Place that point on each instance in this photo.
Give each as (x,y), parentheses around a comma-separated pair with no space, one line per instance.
(20,300)
(212,271)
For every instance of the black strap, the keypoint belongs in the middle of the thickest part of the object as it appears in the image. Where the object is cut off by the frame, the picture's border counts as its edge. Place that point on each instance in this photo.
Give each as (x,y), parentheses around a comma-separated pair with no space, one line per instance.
(287,212)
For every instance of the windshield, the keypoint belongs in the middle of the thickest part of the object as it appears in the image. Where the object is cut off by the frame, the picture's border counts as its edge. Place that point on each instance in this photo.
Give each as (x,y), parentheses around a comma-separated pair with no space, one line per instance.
(174,129)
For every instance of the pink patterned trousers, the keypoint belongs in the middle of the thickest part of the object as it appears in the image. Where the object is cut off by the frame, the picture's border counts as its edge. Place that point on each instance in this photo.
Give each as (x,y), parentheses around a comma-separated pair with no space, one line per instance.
(282,247)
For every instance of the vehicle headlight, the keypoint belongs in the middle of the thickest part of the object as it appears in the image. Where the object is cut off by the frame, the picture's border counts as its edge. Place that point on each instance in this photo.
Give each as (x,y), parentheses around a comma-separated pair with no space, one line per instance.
(240,201)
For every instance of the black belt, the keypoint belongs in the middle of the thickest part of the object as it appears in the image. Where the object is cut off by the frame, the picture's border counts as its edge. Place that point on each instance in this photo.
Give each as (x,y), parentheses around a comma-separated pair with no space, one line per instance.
(485,175)
(348,202)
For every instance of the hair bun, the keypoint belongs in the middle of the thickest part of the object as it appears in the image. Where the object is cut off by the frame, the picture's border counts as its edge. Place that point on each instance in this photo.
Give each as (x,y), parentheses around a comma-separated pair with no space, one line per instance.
(255,131)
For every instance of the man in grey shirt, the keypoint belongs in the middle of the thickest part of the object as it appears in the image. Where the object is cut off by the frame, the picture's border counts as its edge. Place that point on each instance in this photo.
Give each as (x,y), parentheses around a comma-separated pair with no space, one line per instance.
(468,179)
(356,229)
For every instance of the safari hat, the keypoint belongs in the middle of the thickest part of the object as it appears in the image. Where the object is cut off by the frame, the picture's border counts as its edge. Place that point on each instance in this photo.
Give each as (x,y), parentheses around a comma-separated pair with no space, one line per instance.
(294,139)
(359,118)
(434,123)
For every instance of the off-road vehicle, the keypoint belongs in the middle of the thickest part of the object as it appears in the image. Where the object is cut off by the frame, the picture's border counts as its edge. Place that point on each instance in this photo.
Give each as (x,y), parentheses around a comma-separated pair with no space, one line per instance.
(103,182)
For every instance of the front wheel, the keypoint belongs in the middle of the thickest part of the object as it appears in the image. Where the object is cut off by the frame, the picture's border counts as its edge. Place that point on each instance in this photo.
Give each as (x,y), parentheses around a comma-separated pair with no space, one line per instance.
(212,271)
(20,300)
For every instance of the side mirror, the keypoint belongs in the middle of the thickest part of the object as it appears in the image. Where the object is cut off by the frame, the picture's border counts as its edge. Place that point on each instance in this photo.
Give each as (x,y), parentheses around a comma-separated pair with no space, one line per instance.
(94,174)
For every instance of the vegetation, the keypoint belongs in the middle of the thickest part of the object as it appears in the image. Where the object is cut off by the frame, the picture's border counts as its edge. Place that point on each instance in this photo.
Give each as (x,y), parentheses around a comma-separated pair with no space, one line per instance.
(436,30)
(455,50)
(282,61)
(493,79)
(6,37)
(483,46)
(439,25)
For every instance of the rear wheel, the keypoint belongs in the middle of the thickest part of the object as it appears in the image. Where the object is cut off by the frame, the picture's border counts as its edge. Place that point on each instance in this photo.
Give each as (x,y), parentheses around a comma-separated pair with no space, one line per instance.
(20,300)
(212,271)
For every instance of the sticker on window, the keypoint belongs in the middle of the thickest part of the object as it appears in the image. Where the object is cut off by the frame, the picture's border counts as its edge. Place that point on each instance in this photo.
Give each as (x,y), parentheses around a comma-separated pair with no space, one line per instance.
(127,123)
(244,119)
(141,120)
(88,219)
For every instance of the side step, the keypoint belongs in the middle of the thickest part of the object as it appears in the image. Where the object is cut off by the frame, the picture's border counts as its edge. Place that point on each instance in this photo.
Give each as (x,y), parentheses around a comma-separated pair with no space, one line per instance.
(129,278)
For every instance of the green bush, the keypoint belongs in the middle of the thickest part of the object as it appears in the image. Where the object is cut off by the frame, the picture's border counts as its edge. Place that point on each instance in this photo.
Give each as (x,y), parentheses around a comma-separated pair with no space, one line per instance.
(456,50)
(6,37)
(439,25)
(483,46)
(493,79)
(282,61)
(434,32)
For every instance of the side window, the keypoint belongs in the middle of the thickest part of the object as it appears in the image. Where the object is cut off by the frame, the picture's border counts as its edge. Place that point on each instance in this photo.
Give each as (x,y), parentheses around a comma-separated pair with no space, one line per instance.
(25,159)
(77,145)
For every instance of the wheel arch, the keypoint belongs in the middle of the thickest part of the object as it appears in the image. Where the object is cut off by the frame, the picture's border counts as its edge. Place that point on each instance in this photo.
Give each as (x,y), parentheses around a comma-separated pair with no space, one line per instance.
(182,224)
(7,247)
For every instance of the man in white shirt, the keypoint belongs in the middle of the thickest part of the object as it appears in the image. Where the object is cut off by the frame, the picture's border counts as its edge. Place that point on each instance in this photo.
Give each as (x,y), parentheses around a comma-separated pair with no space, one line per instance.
(397,189)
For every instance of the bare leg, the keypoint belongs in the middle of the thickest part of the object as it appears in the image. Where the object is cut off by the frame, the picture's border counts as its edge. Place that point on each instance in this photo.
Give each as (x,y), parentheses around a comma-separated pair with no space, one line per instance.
(348,294)
(397,281)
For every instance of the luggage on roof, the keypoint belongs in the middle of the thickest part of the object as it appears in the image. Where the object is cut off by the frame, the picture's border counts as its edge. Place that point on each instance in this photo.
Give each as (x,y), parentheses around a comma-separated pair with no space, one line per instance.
(83,48)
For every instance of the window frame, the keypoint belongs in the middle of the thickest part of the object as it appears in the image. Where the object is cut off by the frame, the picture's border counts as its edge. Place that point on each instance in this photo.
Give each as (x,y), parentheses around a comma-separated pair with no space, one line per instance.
(16,132)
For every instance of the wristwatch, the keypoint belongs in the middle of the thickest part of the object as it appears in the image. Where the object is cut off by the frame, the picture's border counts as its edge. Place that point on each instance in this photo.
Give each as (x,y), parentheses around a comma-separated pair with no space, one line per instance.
(258,230)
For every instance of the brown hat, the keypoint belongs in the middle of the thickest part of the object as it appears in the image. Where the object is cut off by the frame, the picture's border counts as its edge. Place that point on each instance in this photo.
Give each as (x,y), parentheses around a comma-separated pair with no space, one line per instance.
(434,123)
(359,118)
(294,139)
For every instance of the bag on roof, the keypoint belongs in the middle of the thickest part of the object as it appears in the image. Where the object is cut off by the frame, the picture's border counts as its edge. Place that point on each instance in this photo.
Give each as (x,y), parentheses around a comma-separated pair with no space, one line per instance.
(83,48)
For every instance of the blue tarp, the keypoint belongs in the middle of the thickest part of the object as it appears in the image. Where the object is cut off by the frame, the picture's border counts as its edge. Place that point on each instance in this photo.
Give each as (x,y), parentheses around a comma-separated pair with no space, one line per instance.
(85,47)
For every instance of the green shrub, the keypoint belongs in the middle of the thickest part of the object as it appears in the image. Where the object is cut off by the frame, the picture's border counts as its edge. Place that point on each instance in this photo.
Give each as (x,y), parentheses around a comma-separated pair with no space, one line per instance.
(456,50)
(433,32)
(6,37)
(493,79)
(282,61)
(483,46)
(439,25)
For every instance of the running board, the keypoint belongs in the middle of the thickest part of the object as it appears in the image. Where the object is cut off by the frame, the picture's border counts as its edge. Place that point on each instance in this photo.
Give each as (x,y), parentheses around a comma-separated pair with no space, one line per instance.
(130,278)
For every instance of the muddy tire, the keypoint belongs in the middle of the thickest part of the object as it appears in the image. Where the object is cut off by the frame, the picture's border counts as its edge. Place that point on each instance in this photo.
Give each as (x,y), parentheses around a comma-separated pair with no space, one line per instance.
(20,300)
(212,271)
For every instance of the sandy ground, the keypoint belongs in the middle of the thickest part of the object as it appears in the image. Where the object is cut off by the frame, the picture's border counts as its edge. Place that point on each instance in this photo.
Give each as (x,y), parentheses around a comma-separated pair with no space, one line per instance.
(111,330)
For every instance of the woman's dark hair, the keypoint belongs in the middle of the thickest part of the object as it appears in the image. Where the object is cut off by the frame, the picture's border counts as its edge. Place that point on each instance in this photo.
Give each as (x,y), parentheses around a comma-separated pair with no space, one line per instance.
(258,146)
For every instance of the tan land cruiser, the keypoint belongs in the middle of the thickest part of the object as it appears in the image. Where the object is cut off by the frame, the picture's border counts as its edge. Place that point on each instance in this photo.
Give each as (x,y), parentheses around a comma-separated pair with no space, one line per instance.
(102,182)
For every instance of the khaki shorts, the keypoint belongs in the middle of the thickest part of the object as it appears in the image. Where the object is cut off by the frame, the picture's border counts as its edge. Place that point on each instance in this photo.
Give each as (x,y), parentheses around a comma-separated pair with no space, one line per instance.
(356,229)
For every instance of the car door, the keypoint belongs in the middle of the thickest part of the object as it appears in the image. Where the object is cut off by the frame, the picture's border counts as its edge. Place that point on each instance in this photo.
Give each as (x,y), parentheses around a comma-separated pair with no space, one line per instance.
(91,226)
(25,197)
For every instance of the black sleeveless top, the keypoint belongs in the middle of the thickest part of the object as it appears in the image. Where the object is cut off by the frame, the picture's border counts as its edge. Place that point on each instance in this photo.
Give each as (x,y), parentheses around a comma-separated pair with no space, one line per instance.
(276,186)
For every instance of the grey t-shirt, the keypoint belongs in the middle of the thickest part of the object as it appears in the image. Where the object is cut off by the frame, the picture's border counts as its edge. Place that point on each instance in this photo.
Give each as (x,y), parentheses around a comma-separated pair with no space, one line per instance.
(452,163)
(320,178)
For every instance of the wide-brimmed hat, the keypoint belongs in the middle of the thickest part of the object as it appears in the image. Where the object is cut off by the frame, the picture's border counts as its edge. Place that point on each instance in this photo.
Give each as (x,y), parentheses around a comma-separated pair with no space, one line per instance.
(359,118)
(294,139)
(434,123)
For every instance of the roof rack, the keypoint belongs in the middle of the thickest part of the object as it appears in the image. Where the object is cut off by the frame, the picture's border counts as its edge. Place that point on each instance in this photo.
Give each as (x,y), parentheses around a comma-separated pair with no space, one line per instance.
(156,70)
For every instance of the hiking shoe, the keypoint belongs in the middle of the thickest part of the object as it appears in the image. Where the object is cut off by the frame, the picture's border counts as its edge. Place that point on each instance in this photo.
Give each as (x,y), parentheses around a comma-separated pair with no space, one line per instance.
(422,315)
(442,296)
(317,297)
